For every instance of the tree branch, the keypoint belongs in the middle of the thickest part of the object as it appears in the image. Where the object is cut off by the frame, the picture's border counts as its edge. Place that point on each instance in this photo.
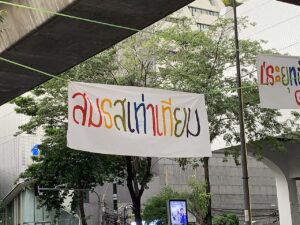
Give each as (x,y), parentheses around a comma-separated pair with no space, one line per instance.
(216,54)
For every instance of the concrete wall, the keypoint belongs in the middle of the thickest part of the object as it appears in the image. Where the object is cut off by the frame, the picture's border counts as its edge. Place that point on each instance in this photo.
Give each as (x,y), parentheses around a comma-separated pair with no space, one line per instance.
(17,27)
(15,152)
(226,187)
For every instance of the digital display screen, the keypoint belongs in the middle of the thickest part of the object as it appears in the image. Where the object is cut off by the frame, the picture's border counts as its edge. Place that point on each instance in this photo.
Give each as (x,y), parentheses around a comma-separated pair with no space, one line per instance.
(178,212)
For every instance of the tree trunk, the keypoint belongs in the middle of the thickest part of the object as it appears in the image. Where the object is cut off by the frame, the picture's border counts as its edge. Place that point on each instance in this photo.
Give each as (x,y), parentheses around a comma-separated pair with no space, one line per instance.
(135,191)
(208,218)
(81,208)
(137,210)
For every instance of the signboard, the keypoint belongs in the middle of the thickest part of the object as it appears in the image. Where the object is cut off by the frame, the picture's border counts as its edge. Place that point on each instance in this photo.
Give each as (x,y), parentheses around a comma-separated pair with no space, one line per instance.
(177,210)
(279,81)
(137,121)
(35,151)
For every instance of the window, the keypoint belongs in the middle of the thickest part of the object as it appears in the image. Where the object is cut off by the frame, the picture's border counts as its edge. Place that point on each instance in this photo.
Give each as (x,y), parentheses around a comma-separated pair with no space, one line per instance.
(198,12)
(2,217)
(202,26)
(10,214)
(173,20)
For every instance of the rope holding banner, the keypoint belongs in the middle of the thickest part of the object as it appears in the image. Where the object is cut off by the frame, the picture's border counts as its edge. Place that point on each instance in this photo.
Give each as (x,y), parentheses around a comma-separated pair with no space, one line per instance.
(43,10)
(33,69)
(68,80)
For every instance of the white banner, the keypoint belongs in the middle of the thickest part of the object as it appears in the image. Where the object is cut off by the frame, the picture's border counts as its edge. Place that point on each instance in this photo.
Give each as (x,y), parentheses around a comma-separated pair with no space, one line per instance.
(279,81)
(137,121)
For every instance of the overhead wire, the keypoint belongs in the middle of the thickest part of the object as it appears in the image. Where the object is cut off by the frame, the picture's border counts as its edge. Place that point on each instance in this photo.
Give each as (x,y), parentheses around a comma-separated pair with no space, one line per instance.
(111,25)
(68,80)
(33,69)
(115,26)
(43,10)
(269,27)
(280,49)
(256,7)
(246,12)
(274,25)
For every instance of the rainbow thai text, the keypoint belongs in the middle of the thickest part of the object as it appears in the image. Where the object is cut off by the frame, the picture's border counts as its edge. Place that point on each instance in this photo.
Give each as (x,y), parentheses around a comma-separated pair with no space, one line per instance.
(136,117)
(288,76)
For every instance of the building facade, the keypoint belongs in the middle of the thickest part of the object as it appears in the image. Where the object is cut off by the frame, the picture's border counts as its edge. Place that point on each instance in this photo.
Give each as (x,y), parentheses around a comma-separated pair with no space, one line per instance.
(15,151)
(22,207)
(203,13)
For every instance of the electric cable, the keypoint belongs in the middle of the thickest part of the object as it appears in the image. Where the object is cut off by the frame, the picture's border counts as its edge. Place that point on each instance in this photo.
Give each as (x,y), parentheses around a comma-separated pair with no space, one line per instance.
(33,69)
(112,25)
(43,10)
(68,80)
(273,25)
(246,12)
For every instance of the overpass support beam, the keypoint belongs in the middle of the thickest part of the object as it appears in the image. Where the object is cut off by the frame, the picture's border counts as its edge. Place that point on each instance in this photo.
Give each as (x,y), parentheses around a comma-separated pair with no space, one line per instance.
(287,200)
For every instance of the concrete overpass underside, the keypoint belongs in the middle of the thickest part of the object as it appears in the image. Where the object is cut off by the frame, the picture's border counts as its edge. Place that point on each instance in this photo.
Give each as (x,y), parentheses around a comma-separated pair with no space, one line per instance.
(54,44)
(295,2)
(285,166)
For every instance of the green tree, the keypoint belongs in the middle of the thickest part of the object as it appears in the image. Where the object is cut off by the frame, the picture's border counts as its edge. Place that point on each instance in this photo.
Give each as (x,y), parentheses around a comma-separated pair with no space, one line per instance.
(136,69)
(198,200)
(188,60)
(47,107)
(204,62)
(226,219)
(229,3)
(59,165)
(197,203)
(155,207)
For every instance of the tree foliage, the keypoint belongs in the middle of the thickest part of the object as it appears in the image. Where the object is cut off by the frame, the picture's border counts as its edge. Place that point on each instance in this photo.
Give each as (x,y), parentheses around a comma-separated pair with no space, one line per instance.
(229,3)
(135,68)
(47,107)
(204,62)
(197,203)
(226,219)
(198,200)
(187,60)
(155,207)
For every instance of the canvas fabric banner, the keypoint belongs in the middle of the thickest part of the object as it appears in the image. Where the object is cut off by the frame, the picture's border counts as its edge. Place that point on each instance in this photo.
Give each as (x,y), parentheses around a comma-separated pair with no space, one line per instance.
(136,121)
(279,81)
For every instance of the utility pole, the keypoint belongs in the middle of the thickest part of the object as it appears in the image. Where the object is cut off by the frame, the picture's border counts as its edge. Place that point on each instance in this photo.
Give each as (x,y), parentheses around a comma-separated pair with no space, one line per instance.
(115,202)
(247,205)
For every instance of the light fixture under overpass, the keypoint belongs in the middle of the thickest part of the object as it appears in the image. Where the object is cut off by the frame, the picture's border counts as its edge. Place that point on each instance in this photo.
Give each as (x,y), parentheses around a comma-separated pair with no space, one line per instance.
(54,44)
(295,2)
